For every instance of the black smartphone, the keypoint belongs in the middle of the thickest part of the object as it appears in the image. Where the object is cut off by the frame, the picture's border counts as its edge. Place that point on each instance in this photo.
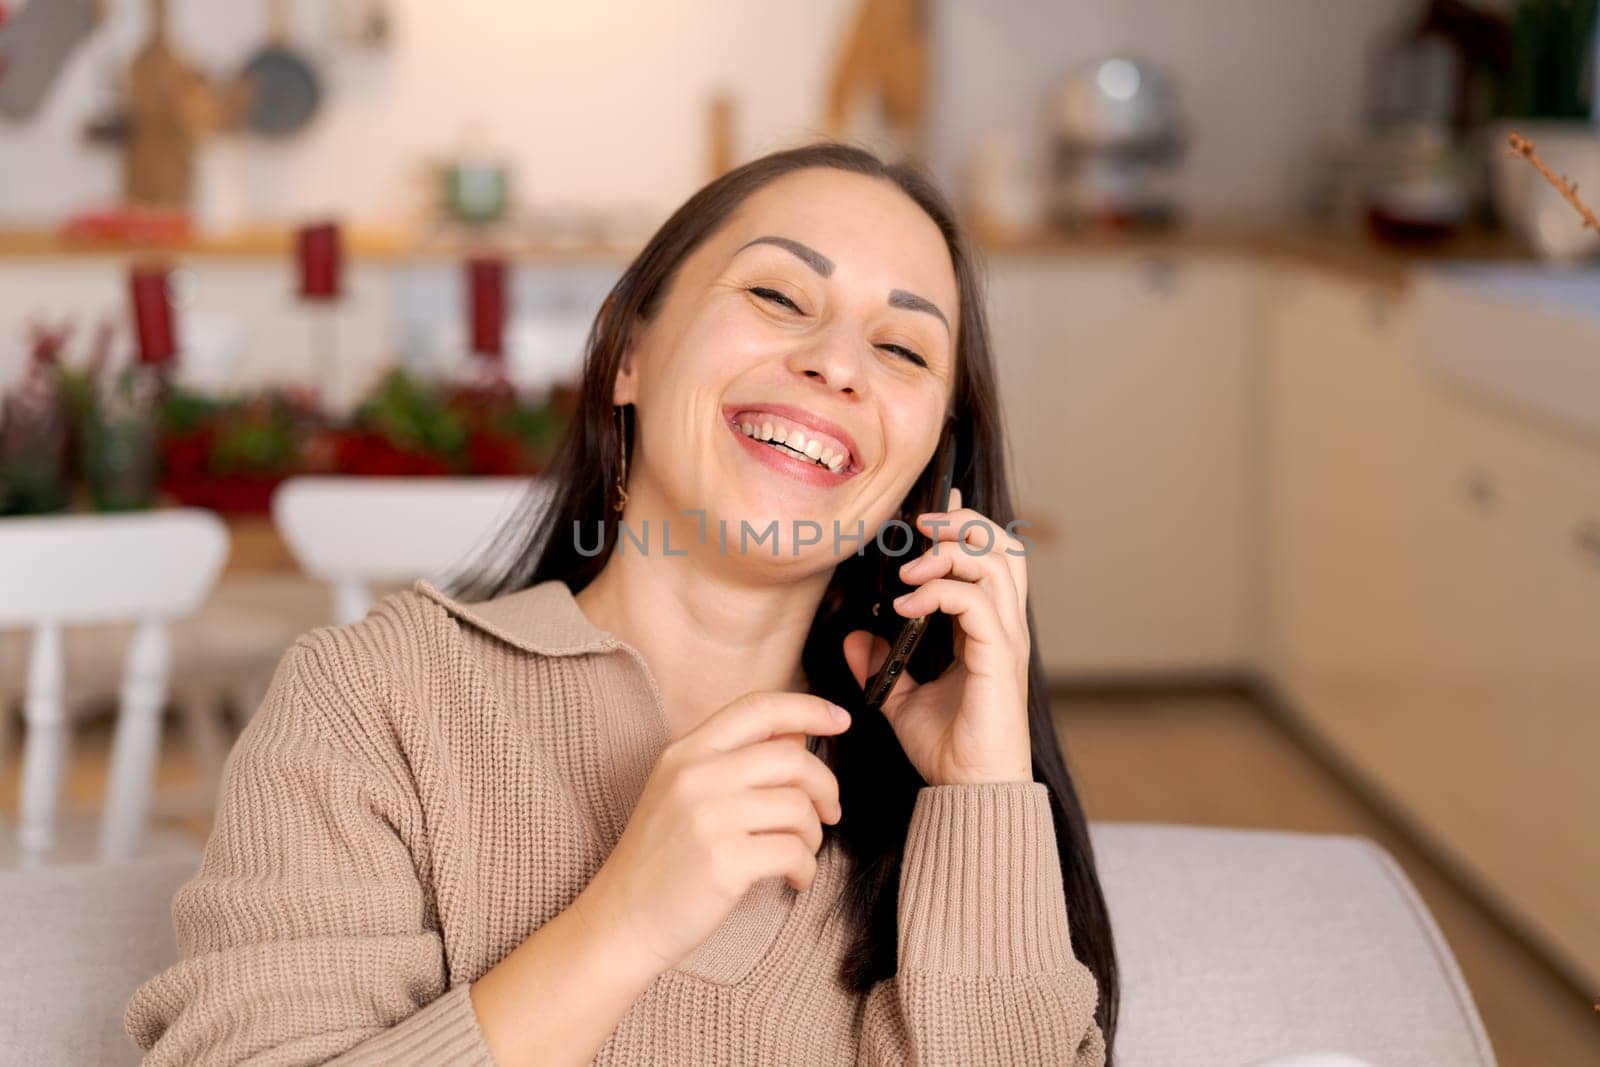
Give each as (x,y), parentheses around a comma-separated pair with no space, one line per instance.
(911,633)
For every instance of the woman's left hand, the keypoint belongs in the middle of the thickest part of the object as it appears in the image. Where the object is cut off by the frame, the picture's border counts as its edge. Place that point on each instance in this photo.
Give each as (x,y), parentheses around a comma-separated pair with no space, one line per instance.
(969,725)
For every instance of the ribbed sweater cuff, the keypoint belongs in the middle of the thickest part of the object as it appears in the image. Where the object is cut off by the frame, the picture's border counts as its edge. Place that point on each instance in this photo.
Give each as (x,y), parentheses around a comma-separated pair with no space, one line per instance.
(980,889)
(445,1032)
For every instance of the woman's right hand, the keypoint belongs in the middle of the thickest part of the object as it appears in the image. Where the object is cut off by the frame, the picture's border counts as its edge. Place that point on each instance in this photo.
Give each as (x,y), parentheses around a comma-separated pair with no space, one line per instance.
(737,799)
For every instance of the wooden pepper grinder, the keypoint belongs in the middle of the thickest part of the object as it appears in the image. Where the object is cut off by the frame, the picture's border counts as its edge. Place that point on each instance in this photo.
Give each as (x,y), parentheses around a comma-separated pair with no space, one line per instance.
(720,154)
(169,104)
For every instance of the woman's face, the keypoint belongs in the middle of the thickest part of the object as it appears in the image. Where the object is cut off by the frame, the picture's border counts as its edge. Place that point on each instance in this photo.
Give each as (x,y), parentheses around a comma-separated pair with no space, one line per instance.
(822,317)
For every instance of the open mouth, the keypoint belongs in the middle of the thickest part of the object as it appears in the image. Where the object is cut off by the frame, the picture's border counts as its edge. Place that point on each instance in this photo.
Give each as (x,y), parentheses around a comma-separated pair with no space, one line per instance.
(794,442)
(790,438)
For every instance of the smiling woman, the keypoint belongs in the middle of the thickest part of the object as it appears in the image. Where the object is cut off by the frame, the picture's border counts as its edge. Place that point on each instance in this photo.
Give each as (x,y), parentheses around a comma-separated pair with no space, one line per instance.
(615,805)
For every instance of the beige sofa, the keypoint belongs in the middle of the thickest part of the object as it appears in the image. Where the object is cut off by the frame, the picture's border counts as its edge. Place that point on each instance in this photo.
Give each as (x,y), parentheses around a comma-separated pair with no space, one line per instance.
(1235,946)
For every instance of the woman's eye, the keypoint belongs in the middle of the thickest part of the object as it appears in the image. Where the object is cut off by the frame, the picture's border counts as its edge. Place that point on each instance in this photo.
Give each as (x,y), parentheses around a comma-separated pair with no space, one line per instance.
(773,296)
(906,353)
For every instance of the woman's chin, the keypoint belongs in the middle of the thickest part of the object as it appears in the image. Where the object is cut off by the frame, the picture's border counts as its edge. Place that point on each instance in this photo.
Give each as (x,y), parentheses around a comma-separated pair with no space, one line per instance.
(767,537)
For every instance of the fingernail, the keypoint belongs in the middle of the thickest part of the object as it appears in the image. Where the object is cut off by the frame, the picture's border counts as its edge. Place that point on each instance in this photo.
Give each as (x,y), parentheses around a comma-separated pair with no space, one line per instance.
(901,599)
(838,713)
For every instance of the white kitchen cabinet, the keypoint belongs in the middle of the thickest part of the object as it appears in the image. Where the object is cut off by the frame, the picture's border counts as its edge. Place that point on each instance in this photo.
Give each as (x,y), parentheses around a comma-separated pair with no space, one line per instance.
(1510,778)
(1341,398)
(1433,601)
(1126,387)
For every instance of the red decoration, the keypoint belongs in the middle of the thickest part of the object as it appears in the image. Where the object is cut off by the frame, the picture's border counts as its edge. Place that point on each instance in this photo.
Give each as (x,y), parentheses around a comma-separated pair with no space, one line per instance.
(318,251)
(486,298)
(365,452)
(153,314)
(132,225)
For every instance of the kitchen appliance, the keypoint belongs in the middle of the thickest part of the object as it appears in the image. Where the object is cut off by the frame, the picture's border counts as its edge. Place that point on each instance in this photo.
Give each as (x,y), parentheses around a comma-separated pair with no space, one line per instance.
(1117,137)
(1420,184)
(1426,86)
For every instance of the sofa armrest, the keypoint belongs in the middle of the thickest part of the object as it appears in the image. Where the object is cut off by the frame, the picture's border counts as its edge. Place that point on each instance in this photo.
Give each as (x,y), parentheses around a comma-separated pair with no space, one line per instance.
(79,938)
(1238,945)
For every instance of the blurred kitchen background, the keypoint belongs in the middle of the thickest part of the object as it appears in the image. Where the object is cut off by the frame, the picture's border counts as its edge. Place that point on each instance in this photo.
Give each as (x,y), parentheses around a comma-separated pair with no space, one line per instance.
(1301,366)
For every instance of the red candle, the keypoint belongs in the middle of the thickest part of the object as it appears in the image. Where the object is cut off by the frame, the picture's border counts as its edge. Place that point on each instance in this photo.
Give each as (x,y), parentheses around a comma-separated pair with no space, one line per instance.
(486,299)
(317,248)
(152,314)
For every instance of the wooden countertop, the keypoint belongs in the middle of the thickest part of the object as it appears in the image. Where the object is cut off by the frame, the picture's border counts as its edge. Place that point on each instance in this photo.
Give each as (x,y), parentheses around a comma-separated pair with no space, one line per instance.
(359,244)
(1351,254)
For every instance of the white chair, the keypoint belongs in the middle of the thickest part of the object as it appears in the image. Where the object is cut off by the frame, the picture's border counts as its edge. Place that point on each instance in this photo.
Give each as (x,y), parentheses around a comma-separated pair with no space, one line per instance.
(57,571)
(357,532)
(222,656)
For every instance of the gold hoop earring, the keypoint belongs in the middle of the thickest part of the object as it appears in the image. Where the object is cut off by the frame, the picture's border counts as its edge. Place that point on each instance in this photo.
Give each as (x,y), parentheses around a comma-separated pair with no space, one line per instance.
(622,474)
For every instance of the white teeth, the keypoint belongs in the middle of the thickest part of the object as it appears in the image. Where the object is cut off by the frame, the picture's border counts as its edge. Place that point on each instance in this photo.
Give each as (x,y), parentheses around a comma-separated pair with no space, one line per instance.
(792,438)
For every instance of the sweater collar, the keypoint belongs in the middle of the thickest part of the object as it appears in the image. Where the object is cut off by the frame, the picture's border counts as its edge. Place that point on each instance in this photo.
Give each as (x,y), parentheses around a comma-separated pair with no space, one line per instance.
(543,618)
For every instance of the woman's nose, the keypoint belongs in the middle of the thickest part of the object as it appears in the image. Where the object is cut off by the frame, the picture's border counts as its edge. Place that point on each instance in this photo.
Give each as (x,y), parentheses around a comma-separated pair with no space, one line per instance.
(834,361)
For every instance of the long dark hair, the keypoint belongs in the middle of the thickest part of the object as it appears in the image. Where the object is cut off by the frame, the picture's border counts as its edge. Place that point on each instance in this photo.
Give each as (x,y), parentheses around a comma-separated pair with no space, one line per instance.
(877,783)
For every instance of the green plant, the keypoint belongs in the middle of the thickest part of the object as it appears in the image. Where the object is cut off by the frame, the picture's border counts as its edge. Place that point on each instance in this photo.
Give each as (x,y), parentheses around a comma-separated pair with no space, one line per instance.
(184,412)
(1552,46)
(255,438)
(413,416)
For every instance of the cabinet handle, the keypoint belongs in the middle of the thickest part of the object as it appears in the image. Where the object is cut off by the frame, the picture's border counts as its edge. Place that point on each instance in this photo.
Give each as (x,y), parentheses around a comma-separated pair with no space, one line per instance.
(1586,538)
(1479,489)
(1160,274)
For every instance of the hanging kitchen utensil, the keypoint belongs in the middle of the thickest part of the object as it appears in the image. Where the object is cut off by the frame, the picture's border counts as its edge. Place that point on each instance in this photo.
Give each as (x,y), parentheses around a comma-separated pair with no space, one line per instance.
(169,107)
(879,89)
(285,89)
(34,46)
(109,123)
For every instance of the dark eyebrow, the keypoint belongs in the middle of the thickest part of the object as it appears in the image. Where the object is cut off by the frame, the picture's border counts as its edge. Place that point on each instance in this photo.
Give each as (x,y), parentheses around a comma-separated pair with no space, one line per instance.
(813,259)
(820,263)
(899,298)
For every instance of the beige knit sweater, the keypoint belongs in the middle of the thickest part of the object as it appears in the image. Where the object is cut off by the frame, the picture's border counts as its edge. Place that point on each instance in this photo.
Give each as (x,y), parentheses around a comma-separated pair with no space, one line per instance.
(422,790)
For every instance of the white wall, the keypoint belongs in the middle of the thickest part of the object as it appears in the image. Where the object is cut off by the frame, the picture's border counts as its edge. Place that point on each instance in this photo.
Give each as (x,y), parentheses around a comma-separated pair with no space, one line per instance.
(598,103)
(602,103)
(1259,79)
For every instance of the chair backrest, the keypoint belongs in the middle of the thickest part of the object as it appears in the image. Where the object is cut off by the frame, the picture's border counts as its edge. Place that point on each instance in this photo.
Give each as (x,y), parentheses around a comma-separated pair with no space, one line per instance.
(60,570)
(354,531)
(70,569)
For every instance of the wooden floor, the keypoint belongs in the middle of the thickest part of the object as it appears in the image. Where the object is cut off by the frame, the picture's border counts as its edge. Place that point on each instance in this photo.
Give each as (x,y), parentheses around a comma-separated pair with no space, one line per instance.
(1221,762)
(1212,761)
